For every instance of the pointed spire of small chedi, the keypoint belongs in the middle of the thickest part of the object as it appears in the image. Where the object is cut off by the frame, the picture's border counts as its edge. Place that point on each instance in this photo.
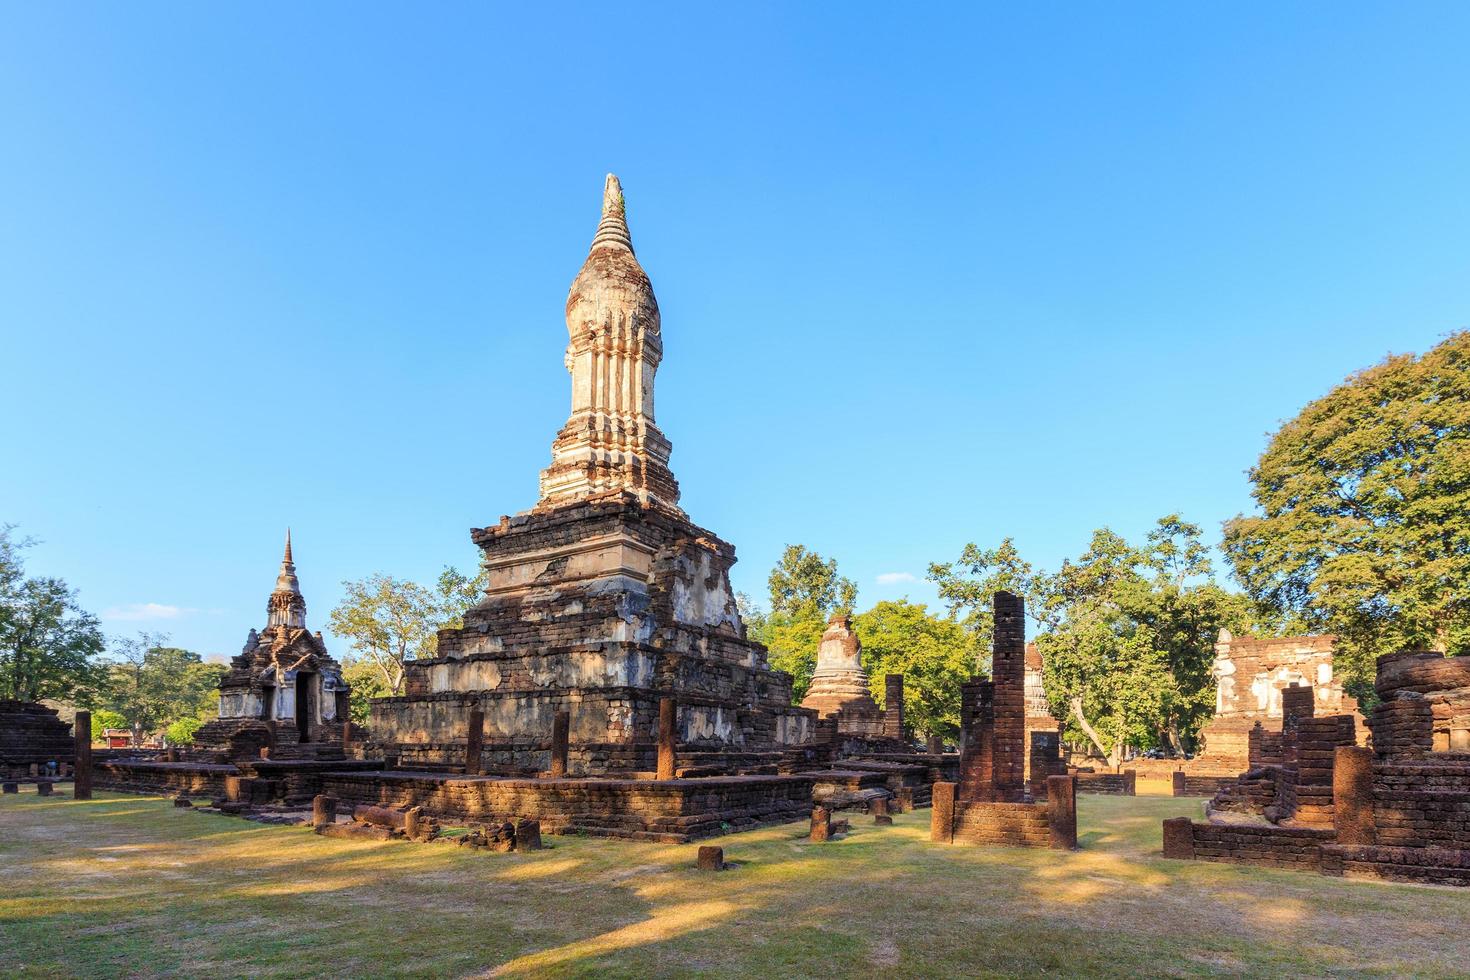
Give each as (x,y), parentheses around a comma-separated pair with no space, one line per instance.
(286,607)
(610,443)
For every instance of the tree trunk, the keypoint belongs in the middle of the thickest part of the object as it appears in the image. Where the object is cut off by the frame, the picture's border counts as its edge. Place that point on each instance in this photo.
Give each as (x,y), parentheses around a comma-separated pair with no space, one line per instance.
(1087,728)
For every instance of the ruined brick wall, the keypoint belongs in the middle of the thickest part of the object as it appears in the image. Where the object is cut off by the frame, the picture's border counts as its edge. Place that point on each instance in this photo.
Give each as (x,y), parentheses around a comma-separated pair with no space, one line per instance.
(163,778)
(1108,783)
(32,734)
(1304,792)
(1273,847)
(1044,760)
(1006,824)
(1419,803)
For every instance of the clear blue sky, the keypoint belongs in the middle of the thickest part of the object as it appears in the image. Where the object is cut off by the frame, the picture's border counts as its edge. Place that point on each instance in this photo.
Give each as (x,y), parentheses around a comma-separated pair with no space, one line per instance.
(927,275)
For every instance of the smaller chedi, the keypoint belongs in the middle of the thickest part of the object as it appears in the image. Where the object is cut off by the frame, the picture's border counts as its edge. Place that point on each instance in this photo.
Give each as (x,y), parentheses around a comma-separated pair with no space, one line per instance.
(283,691)
(840,684)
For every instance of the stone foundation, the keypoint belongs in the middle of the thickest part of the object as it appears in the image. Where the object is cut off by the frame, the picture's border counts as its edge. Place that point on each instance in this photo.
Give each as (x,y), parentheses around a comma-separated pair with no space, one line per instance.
(674,811)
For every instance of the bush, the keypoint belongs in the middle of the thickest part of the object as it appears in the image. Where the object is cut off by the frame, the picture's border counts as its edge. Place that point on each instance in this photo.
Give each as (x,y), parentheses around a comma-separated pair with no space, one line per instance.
(182,731)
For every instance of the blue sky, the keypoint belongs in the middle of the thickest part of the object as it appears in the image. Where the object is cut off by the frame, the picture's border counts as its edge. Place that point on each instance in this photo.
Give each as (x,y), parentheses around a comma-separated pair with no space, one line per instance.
(928,275)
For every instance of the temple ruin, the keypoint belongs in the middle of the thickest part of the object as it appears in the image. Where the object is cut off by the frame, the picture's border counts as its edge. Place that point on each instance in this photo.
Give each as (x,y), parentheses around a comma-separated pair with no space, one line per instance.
(283,692)
(604,597)
(1251,675)
(839,687)
(1315,800)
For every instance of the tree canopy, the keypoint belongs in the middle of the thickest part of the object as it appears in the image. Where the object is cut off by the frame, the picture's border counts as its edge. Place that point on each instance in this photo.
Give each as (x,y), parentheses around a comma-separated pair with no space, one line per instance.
(805,589)
(153,685)
(388,621)
(1363,528)
(933,654)
(49,645)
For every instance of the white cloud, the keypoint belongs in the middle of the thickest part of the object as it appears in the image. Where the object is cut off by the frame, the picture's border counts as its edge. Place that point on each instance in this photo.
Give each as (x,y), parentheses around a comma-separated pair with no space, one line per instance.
(894,578)
(142,611)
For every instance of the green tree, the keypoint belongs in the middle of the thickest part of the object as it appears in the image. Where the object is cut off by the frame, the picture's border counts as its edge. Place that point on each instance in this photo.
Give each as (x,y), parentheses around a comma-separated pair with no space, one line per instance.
(49,645)
(181,732)
(153,685)
(932,653)
(1363,527)
(389,621)
(805,590)
(969,585)
(804,584)
(105,719)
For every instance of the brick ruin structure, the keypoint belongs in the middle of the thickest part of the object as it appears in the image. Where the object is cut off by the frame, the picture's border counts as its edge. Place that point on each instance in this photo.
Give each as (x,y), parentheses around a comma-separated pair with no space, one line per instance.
(1251,675)
(31,737)
(604,684)
(839,688)
(991,803)
(283,692)
(1313,799)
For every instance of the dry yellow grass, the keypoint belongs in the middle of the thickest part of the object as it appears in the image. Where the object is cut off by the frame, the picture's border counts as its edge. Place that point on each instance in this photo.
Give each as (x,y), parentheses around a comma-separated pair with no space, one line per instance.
(131,886)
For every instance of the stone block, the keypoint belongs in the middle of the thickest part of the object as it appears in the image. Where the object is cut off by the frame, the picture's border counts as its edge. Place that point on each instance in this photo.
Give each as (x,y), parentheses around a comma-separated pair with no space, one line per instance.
(711,858)
(1353,816)
(9,787)
(1179,838)
(323,810)
(941,814)
(528,835)
(1061,811)
(43,787)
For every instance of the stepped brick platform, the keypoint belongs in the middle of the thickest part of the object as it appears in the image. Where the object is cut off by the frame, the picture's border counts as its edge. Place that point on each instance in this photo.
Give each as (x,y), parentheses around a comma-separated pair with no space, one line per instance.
(1400,811)
(1108,783)
(289,781)
(32,735)
(667,810)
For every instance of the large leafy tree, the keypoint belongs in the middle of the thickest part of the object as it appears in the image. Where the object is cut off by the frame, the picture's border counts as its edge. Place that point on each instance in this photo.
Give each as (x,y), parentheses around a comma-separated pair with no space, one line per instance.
(49,645)
(389,621)
(933,654)
(1363,528)
(152,685)
(967,586)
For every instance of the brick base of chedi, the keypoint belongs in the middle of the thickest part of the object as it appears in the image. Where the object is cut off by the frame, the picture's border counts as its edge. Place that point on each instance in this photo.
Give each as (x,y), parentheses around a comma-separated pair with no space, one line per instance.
(1315,800)
(605,597)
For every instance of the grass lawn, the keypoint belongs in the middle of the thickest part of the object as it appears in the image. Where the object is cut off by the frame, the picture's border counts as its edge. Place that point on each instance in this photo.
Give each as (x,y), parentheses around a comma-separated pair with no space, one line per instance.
(130,886)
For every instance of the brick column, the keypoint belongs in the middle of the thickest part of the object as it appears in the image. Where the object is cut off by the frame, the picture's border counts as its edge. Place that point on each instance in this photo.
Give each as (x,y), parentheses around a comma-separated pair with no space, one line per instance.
(1352,795)
(347,736)
(935,745)
(1130,782)
(560,731)
(474,741)
(893,705)
(977,741)
(1177,784)
(1179,838)
(668,714)
(1061,811)
(941,814)
(82,766)
(1008,672)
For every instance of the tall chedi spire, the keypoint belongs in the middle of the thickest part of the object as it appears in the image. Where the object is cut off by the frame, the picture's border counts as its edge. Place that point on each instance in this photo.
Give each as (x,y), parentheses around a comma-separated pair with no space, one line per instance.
(610,443)
(286,607)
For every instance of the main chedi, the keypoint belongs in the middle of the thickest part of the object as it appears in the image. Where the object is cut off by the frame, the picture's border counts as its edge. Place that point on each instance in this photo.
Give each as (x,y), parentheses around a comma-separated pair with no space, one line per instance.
(603,598)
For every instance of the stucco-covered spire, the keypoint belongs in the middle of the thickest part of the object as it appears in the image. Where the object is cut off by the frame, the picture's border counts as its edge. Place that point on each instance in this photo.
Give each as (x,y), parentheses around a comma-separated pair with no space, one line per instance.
(610,444)
(612,231)
(286,607)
